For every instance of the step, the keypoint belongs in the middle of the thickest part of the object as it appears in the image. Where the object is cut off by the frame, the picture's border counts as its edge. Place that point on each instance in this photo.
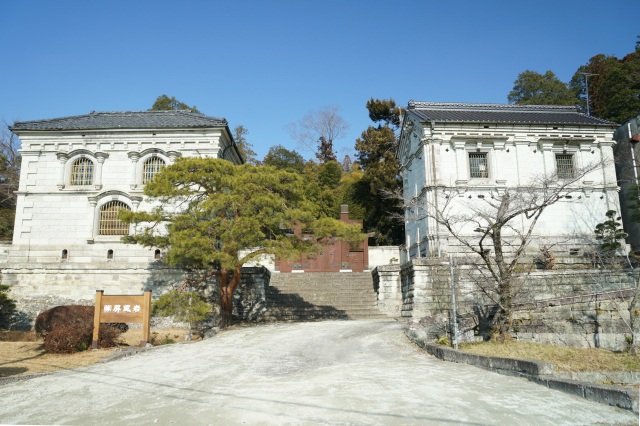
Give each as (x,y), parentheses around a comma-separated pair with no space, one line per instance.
(321,296)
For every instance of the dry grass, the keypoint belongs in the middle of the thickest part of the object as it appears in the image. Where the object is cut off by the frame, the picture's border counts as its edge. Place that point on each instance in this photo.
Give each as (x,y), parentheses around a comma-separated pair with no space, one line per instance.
(29,358)
(23,352)
(563,358)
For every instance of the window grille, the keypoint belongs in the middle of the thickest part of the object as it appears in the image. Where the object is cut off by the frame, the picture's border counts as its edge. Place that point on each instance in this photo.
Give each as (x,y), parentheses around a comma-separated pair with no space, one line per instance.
(82,172)
(478,165)
(152,166)
(109,223)
(564,166)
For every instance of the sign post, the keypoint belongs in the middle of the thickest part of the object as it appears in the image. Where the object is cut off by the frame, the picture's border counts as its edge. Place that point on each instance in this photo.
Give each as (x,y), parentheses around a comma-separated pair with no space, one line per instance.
(122,308)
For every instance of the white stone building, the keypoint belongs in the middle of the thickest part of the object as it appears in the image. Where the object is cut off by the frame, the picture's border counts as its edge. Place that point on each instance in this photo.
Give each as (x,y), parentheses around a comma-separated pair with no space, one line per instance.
(475,152)
(627,160)
(76,173)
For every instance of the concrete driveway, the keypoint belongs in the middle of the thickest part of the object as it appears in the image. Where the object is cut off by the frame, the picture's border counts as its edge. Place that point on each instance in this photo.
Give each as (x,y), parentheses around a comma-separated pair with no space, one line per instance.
(335,372)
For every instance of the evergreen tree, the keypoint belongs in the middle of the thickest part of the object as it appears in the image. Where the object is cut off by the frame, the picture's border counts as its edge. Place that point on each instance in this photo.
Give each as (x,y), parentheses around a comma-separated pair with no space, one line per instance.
(614,86)
(376,153)
(609,233)
(230,215)
(166,103)
(325,152)
(7,307)
(284,159)
(246,149)
(532,88)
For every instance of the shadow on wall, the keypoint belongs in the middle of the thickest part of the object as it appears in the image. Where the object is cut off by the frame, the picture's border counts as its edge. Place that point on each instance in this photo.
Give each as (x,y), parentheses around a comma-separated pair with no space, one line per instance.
(249,297)
(288,306)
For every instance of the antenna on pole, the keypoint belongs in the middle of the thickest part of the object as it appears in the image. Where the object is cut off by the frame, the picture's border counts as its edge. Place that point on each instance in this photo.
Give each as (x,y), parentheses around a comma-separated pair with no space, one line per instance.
(586,84)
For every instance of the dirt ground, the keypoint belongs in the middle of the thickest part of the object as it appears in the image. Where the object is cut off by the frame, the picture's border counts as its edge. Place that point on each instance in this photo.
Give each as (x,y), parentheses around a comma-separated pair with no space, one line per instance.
(330,372)
(23,352)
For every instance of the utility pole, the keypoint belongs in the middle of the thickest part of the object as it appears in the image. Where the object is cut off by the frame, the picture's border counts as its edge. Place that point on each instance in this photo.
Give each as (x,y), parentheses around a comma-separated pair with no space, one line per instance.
(453,304)
(586,84)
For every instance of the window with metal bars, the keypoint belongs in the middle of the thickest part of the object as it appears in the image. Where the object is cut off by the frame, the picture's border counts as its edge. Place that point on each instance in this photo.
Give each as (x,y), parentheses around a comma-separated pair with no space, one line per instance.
(82,172)
(152,166)
(109,223)
(478,165)
(564,166)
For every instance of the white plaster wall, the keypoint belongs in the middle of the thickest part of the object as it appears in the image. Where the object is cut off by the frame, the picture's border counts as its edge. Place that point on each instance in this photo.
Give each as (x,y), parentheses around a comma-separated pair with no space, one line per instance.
(378,256)
(383,255)
(265,260)
(517,157)
(52,215)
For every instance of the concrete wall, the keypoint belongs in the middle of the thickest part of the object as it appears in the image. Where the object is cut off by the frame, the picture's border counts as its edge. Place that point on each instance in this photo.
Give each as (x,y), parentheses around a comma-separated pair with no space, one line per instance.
(383,255)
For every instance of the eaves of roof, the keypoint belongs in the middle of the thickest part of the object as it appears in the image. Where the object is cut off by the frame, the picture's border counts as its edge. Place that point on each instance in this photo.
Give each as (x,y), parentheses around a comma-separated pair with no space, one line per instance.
(503,114)
(123,120)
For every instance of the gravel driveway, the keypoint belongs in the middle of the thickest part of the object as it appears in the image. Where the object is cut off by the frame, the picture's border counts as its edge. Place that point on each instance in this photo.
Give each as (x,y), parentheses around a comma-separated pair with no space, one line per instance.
(333,372)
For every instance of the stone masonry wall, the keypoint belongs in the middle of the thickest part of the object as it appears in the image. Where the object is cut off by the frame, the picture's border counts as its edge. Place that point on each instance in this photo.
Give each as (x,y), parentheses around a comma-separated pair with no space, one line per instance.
(584,308)
(39,287)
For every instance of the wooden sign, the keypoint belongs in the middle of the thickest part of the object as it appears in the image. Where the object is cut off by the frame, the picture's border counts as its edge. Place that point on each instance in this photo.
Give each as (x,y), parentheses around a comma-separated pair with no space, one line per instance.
(122,308)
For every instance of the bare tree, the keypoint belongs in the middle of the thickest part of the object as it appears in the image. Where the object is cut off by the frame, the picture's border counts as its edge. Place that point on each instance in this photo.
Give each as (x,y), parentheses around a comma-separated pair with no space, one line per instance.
(9,167)
(9,178)
(497,228)
(317,131)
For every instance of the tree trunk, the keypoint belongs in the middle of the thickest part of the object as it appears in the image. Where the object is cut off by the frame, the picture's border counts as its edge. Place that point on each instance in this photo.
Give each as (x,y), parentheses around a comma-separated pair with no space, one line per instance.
(503,316)
(226,294)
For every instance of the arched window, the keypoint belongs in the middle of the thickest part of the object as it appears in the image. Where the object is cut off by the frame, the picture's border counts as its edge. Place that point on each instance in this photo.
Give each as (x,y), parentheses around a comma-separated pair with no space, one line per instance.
(109,254)
(82,172)
(109,223)
(152,166)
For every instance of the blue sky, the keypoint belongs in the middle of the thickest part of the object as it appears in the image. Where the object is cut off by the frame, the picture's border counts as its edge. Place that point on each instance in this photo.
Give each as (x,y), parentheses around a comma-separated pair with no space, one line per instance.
(265,64)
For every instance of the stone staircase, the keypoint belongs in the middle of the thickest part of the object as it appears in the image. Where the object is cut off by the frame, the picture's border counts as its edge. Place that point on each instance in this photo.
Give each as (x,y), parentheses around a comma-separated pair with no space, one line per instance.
(320,296)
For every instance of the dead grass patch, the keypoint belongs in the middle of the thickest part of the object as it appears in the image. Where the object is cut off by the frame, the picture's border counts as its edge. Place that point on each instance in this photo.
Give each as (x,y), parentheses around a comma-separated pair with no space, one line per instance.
(23,352)
(18,336)
(563,358)
(30,358)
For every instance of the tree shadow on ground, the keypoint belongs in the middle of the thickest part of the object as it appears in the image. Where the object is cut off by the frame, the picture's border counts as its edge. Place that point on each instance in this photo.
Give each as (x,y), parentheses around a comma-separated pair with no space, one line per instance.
(12,371)
(292,307)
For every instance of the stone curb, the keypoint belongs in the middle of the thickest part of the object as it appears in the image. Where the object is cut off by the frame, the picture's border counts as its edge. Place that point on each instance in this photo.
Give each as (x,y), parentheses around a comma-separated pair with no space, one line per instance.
(538,372)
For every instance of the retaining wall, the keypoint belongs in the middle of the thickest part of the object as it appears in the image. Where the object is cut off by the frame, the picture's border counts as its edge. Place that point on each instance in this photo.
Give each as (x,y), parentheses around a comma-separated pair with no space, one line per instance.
(37,287)
(576,307)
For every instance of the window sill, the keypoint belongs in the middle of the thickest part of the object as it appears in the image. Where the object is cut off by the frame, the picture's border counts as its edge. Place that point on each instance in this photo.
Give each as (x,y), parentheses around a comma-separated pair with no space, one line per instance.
(105,239)
(79,188)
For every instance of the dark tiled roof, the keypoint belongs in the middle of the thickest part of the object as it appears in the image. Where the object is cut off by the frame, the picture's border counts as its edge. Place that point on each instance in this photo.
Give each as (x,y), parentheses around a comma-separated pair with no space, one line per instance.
(124,120)
(499,113)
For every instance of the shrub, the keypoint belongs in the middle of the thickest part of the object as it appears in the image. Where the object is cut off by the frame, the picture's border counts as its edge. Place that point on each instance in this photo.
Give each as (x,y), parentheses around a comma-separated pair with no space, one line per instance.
(75,316)
(182,306)
(67,339)
(109,334)
(7,307)
(166,340)
(69,329)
